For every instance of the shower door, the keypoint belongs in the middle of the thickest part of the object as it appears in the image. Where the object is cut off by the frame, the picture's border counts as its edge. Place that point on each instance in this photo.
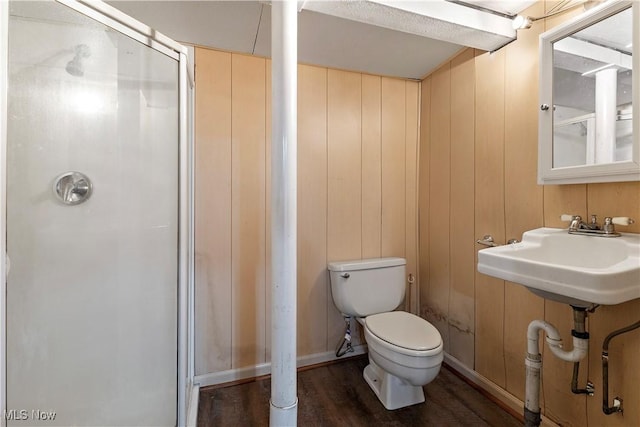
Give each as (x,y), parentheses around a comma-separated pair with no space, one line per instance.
(92,223)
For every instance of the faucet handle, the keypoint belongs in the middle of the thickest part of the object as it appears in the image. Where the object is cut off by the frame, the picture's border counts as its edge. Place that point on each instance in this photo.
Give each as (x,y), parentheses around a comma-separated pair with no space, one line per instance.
(622,220)
(609,228)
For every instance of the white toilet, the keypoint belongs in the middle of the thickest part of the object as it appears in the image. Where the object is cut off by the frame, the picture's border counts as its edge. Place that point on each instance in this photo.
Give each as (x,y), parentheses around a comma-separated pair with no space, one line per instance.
(405,351)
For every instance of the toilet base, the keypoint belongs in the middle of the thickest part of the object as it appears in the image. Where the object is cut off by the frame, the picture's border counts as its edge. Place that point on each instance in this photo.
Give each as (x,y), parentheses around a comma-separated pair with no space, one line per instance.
(392,392)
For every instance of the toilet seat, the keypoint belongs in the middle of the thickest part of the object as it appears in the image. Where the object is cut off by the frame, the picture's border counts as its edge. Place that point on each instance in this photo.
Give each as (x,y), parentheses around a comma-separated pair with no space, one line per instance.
(404,333)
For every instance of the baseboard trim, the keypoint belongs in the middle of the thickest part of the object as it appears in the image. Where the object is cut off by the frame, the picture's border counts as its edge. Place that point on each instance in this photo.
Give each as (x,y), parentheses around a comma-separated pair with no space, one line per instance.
(510,401)
(263,369)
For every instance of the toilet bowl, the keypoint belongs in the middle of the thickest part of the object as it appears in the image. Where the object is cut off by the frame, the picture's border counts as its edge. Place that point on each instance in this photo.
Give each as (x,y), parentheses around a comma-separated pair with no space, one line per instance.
(405,351)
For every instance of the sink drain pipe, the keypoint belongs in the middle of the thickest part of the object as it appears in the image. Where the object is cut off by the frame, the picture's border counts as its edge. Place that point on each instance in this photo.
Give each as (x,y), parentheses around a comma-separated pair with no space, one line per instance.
(617,402)
(533,361)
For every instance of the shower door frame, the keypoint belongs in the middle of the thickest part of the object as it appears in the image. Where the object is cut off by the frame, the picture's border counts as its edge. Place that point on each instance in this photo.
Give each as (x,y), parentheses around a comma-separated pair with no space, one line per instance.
(119,21)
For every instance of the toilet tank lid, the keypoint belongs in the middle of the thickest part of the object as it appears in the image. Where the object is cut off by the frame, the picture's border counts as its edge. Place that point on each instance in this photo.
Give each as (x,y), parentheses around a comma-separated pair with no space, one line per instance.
(366,264)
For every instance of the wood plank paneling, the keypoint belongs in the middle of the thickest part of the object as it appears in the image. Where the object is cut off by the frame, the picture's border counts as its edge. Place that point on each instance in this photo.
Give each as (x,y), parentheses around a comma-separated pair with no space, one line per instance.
(349,180)
(344,209)
(248,210)
(489,210)
(508,202)
(462,242)
(523,196)
(615,199)
(344,219)
(393,167)
(624,364)
(557,400)
(559,403)
(313,294)
(212,211)
(521,307)
(564,199)
(412,95)
(371,166)
(424,175)
(340,177)
(439,194)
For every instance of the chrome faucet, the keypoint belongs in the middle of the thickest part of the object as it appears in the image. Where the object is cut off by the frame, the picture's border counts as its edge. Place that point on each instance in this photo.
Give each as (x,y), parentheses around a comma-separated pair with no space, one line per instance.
(578,226)
(576,223)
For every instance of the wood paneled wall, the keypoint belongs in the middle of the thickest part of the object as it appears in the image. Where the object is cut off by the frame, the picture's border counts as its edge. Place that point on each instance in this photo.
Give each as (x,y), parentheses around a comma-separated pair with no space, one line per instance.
(357,198)
(478,154)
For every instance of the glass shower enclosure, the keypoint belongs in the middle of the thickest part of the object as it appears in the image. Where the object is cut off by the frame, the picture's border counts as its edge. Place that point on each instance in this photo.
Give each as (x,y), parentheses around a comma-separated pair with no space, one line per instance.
(95,202)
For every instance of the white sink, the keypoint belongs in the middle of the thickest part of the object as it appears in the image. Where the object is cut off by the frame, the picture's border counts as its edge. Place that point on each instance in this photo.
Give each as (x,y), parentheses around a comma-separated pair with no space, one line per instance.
(573,269)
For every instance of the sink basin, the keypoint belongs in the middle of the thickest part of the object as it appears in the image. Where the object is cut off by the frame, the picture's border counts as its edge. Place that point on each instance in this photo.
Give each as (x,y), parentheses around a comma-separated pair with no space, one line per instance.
(569,268)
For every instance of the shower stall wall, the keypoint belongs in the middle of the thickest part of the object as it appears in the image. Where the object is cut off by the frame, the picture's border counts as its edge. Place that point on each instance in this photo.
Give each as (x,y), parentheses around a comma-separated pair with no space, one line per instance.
(95,172)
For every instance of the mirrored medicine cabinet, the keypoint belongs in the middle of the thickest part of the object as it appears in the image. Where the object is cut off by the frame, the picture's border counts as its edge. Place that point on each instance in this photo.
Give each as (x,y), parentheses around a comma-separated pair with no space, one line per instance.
(588,126)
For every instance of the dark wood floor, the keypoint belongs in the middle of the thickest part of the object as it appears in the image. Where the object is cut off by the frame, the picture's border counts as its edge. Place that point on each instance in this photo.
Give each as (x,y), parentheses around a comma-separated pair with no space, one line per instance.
(337,395)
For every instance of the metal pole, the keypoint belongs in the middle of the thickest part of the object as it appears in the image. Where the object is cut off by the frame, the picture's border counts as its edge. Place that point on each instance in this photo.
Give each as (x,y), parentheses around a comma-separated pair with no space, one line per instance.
(284,29)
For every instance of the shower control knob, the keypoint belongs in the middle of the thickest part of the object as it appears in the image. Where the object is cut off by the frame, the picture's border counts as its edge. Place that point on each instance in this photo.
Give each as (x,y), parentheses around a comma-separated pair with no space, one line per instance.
(72,188)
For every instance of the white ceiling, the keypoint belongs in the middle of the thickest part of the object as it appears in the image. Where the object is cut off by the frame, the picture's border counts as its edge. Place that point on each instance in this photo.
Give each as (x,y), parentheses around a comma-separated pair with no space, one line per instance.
(323,39)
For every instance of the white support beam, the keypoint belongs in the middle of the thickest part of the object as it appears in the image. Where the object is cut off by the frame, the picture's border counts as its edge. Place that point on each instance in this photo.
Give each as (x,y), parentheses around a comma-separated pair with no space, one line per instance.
(592,51)
(437,19)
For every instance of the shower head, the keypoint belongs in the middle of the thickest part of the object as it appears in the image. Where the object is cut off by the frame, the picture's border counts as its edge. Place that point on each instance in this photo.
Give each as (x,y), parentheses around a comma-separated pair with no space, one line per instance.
(75,66)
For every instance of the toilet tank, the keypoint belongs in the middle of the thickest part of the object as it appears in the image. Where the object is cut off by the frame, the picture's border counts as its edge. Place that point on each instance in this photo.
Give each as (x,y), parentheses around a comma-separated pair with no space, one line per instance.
(368,286)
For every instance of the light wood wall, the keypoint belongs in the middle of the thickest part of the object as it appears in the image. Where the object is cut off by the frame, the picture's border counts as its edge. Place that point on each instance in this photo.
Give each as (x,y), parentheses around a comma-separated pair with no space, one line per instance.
(478,154)
(357,198)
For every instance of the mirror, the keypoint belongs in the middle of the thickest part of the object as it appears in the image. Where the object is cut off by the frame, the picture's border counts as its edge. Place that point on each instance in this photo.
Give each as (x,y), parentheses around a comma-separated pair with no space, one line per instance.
(588,129)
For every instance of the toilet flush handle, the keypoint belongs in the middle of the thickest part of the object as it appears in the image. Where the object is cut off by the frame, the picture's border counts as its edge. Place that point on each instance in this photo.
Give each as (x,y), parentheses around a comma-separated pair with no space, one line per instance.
(345,275)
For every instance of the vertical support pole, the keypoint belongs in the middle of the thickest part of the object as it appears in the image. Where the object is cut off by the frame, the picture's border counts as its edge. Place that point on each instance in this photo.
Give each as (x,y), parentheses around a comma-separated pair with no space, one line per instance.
(4,82)
(284,50)
(606,112)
